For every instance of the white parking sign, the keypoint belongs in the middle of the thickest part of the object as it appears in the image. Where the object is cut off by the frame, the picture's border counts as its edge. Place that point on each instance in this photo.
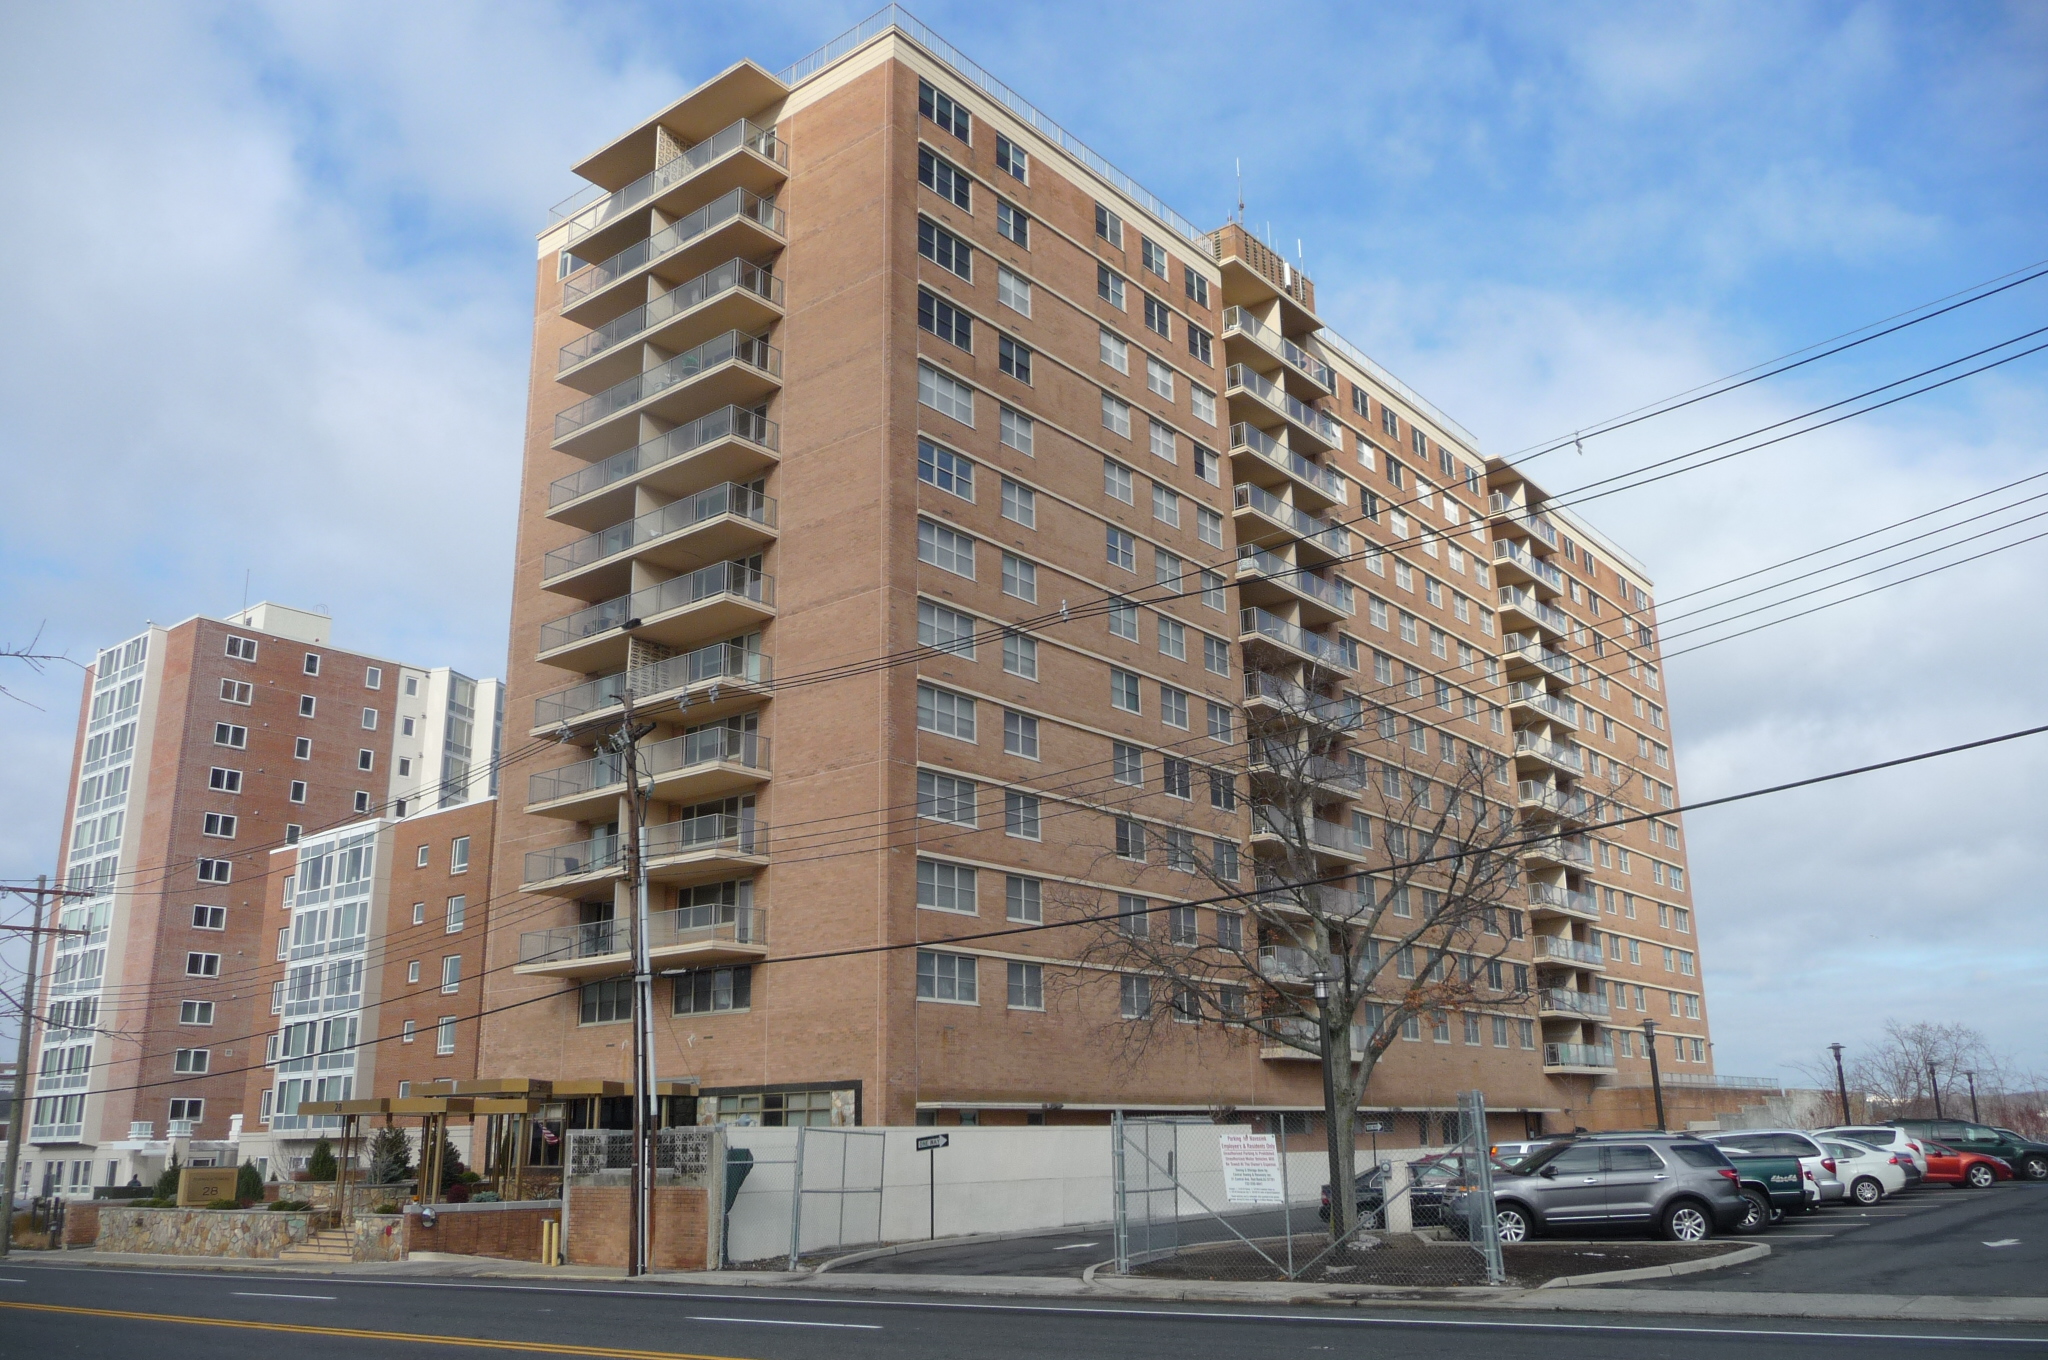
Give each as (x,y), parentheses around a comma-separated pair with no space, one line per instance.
(1251,1168)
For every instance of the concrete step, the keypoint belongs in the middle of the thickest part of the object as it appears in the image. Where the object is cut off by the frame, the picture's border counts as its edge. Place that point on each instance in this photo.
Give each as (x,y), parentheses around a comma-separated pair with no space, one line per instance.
(329,1244)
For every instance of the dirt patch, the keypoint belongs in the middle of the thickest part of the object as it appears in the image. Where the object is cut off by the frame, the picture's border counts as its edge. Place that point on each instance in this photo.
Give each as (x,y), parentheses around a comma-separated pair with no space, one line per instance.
(1403,1260)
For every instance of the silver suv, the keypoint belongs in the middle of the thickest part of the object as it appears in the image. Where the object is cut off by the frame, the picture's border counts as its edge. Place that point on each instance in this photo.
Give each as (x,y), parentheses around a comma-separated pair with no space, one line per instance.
(1684,1188)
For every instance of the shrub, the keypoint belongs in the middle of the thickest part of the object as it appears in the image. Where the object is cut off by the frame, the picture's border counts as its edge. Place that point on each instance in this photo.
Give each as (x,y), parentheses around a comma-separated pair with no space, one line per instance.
(390,1156)
(223,1204)
(485,1197)
(167,1184)
(458,1193)
(387,1207)
(290,1206)
(248,1183)
(321,1166)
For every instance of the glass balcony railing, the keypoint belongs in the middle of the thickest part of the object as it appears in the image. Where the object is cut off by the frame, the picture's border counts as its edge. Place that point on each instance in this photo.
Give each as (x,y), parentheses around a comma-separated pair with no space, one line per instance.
(1535,793)
(593,856)
(1335,836)
(1504,551)
(1578,1055)
(728,277)
(761,141)
(1556,705)
(1330,901)
(728,207)
(1279,630)
(1335,594)
(1577,1003)
(730,832)
(1556,949)
(1270,392)
(692,750)
(1529,647)
(1309,1032)
(732,347)
(725,499)
(1499,505)
(1549,615)
(716,924)
(728,422)
(1347,713)
(1561,850)
(1562,899)
(719,661)
(1244,323)
(1568,756)
(721,578)
(1256,440)
(1331,538)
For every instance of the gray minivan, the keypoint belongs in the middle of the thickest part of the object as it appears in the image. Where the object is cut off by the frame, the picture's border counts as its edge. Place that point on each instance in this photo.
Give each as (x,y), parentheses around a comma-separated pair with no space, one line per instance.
(1684,1188)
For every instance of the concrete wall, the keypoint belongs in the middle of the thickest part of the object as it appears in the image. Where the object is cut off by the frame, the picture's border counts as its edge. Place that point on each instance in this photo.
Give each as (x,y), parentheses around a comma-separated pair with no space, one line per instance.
(244,1233)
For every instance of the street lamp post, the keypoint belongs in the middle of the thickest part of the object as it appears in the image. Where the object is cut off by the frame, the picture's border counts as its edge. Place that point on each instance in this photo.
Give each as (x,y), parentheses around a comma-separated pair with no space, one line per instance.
(1841,1083)
(1656,1081)
(1934,1080)
(1974,1116)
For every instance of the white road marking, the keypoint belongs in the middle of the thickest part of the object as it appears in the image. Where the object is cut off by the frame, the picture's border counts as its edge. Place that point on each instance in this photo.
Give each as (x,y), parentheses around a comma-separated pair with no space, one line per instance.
(785,1322)
(13,1281)
(1076,1246)
(243,1294)
(2004,1242)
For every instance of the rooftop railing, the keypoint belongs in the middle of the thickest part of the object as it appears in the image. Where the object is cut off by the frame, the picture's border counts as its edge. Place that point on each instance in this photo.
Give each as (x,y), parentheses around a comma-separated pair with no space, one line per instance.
(719,661)
(727,498)
(727,422)
(761,141)
(721,578)
(732,347)
(725,208)
(728,277)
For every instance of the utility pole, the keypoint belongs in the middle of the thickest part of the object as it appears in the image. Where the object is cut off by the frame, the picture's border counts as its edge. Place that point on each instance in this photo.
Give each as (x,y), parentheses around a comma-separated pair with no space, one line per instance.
(1656,1081)
(1975,1118)
(640,1245)
(18,1113)
(1841,1082)
(1934,1080)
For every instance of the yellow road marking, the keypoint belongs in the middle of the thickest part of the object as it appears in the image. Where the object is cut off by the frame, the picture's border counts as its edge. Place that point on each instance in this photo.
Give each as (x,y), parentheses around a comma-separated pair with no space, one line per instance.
(480,1343)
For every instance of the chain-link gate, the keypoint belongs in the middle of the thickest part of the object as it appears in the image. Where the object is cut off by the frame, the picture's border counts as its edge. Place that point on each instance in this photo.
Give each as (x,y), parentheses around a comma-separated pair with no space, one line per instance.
(836,1198)
(1199,1200)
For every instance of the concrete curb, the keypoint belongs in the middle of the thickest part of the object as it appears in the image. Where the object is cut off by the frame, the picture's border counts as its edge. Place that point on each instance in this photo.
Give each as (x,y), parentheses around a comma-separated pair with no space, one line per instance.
(972,1239)
(1754,1252)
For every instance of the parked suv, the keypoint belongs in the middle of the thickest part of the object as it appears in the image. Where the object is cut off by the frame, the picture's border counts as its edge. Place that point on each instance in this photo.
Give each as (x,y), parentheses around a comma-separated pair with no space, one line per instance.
(1681,1186)
(1790,1143)
(2027,1158)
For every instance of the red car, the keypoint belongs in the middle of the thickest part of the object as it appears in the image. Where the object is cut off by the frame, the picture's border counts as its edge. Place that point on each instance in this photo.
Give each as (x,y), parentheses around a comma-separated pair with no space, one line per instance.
(1973,1169)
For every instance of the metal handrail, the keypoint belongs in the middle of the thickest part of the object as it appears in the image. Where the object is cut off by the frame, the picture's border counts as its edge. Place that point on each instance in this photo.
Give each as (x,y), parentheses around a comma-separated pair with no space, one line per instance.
(761,141)
(719,661)
(734,274)
(731,347)
(727,498)
(721,578)
(728,421)
(725,208)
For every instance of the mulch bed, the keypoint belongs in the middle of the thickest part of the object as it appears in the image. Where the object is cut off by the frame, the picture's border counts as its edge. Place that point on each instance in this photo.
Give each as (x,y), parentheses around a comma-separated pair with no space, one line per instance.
(1403,1260)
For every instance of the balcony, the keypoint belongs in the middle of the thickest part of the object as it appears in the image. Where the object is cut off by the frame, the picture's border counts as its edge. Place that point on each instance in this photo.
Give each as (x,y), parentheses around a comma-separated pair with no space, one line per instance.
(1534,795)
(733,369)
(687,937)
(713,680)
(759,161)
(734,296)
(1342,779)
(723,599)
(1284,698)
(1514,600)
(1569,1058)
(681,769)
(1257,627)
(1287,966)
(1536,699)
(1513,560)
(710,846)
(1548,897)
(1321,486)
(57,1133)
(1531,746)
(1337,839)
(1263,578)
(735,223)
(1563,1003)
(1300,363)
(1263,518)
(1558,852)
(1316,428)
(570,868)
(1331,902)
(1518,518)
(1575,953)
(180,1128)
(1311,1033)
(1519,651)
(727,520)
(732,445)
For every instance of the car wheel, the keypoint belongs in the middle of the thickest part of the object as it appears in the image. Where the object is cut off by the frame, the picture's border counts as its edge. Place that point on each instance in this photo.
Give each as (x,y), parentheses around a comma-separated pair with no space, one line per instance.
(1511,1223)
(1756,1212)
(1980,1177)
(2035,1168)
(1686,1221)
(1867,1191)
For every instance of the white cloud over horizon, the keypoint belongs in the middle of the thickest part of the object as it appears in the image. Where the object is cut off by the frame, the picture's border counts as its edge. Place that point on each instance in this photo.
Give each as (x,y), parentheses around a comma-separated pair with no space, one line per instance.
(275,304)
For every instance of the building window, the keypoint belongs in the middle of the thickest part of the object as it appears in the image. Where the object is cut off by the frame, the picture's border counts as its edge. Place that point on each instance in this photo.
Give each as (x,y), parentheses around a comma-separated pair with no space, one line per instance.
(237,691)
(1020,734)
(224,781)
(1123,691)
(940,108)
(944,249)
(608,1001)
(944,798)
(1109,226)
(1013,290)
(1020,815)
(373,678)
(1027,986)
(944,629)
(702,991)
(366,759)
(1020,578)
(188,1108)
(219,824)
(298,791)
(943,319)
(946,395)
(1121,548)
(231,735)
(1196,286)
(1020,656)
(1134,1000)
(195,1012)
(457,906)
(241,648)
(444,1035)
(1173,707)
(1015,430)
(1022,899)
(458,856)
(209,918)
(215,870)
(312,666)
(945,179)
(1011,159)
(202,965)
(944,549)
(191,1060)
(1158,317)
(1173,639)
(1130,838)
(945,977)
(1014,359)
(302,749)
(1202,345)
(1203,403)
(1109,286)
(1114,350)
(451,970)
(944,712)
(362,802)
(946,887)
(1013,224)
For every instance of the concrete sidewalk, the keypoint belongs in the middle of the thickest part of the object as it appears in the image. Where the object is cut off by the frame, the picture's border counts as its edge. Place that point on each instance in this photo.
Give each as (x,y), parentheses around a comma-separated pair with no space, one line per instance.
(1571,1299)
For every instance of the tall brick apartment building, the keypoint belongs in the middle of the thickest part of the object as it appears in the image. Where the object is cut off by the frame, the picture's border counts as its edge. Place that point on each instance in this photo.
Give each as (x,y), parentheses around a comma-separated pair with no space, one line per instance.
(949,506)
(203,748)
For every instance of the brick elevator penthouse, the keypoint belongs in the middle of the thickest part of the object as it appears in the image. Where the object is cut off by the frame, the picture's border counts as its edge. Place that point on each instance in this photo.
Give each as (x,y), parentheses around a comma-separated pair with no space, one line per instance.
(860,406)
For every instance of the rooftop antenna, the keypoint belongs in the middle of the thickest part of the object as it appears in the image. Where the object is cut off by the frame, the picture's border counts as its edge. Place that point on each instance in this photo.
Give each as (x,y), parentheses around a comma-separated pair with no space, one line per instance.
(1240,191)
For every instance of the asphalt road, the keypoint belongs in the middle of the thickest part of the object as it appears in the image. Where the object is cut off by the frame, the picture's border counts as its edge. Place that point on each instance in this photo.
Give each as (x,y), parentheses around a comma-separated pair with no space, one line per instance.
(49,1310)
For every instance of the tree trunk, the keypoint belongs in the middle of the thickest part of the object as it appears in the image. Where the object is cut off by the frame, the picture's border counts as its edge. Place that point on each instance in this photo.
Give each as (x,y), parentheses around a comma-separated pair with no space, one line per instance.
(1340,1125)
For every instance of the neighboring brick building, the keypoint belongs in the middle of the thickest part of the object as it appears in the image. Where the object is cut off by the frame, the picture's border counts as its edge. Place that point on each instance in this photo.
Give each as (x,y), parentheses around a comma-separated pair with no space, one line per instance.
(863,363)
(203,747)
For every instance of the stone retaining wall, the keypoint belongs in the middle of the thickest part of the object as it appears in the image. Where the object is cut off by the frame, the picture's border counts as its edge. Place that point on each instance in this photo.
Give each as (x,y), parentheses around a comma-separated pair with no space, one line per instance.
(242,1233)
(379,1237)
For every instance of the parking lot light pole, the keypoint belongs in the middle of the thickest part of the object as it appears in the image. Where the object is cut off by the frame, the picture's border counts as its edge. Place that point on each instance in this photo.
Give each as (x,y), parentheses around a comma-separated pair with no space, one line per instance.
(1934,1080)
(1974,1116)
(1841,1084)
(1656,1081)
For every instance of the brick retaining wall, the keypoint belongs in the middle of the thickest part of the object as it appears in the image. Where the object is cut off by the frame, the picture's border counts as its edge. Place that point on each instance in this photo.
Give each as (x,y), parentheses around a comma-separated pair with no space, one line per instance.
(600,1217)
(509,1232)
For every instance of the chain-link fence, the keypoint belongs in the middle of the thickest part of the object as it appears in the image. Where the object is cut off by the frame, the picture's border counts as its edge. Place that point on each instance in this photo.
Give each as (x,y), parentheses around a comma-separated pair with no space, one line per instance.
(1198,1200)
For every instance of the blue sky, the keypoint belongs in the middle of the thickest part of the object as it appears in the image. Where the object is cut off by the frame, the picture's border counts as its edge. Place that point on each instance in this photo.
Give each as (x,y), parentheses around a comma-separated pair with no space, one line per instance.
(272,303)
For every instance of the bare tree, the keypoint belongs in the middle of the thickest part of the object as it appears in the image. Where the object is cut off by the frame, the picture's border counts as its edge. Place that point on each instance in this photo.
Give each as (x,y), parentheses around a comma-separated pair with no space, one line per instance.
(1900,1075)
(1391,919)
(35,660)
